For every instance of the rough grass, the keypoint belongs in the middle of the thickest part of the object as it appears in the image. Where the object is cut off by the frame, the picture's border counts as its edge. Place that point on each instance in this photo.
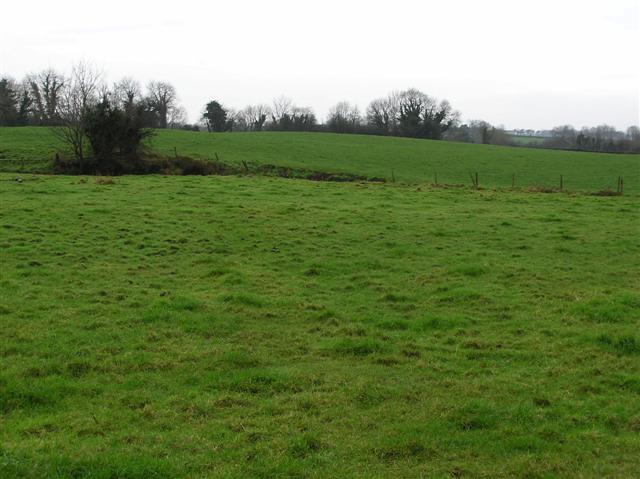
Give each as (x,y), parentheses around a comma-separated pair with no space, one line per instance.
(262,327)
(408,160)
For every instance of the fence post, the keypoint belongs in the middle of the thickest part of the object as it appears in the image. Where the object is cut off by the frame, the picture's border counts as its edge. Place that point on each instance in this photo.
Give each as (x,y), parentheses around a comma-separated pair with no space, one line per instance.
(513,180)
(621,185)
(561,183)
(477,184)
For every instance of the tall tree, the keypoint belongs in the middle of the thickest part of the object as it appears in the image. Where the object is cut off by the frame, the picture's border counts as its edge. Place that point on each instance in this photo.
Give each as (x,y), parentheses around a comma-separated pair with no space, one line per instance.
(255,116)
(46,89)
(162,99)
(382,114)
(411,113)
(215,116)
(282,108)
(127,93)
(8,102)
(25,105)
(79,96)
(343,118)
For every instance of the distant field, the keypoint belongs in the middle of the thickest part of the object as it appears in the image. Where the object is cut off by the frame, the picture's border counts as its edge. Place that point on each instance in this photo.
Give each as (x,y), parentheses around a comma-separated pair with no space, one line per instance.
(409,160)
(242,327)
(527,140)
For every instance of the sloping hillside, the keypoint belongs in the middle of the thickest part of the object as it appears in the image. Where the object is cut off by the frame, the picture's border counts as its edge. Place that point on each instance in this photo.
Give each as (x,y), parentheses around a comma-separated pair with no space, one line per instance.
(408,160)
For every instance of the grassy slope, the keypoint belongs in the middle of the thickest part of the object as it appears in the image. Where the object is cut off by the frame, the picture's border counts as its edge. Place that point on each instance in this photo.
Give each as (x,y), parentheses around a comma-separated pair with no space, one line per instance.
(410,160)
(255,327)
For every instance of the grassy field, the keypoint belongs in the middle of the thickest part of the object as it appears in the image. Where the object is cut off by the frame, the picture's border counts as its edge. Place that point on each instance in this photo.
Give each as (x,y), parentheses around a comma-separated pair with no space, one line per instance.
(527,140)
(261,327)
(414,161)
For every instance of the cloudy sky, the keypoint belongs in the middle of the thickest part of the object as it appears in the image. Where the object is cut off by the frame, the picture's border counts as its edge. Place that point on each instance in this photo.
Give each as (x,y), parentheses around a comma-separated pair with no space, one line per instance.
(522,64)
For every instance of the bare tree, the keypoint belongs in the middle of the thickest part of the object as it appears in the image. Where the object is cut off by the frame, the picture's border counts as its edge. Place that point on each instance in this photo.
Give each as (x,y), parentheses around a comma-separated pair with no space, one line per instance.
(46,88)
(241,121)
(383,113)
(285,116)
(162,98)
(177,117)
(343,118)
(564,136)
(79,95)
(633,137)
(126,93)
(282,107)
(252,117)
(302,118)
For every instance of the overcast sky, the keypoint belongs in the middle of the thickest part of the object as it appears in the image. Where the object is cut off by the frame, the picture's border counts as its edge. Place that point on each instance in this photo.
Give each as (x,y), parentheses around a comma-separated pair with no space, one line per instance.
(522,64)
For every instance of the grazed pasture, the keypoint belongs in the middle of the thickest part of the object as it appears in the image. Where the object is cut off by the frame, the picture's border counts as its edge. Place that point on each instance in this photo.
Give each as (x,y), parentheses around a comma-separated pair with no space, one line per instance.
(405,159)
(261,327)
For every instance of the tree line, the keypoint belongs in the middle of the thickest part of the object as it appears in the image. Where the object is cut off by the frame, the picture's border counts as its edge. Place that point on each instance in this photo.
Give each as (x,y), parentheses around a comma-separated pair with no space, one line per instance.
(40,99)
(603,138)
(409,113)
(43,99)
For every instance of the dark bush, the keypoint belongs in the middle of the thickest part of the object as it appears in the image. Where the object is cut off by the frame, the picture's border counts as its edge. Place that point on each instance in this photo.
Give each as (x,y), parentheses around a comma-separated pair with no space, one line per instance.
(116,138)
(183,165)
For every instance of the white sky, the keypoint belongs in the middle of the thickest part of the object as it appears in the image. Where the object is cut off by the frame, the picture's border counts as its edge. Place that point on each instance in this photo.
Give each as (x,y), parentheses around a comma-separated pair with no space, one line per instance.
(523,64)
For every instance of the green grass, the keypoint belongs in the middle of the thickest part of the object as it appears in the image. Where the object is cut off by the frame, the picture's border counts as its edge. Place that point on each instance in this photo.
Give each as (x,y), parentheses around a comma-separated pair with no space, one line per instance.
(527,140)
(261,327)
(414,161)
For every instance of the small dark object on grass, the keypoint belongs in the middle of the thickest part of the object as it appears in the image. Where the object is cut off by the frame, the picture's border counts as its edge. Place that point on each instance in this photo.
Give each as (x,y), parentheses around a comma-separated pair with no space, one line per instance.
(541,189)
(606,192)
(105,181)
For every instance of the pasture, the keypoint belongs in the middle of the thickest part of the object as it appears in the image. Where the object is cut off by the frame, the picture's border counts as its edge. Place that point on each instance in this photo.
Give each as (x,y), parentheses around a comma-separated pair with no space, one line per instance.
(407,160)
(261,327)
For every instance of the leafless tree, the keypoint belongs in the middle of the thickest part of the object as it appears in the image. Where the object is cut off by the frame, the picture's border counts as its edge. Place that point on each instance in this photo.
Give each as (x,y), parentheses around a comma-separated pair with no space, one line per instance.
(241,120)
(564,136)
(633,137)
(177,117)
(282,106)
(383,113)
(46,88)
(126,93)
(343,117)
(82,91)
(162,98)
(252,117)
